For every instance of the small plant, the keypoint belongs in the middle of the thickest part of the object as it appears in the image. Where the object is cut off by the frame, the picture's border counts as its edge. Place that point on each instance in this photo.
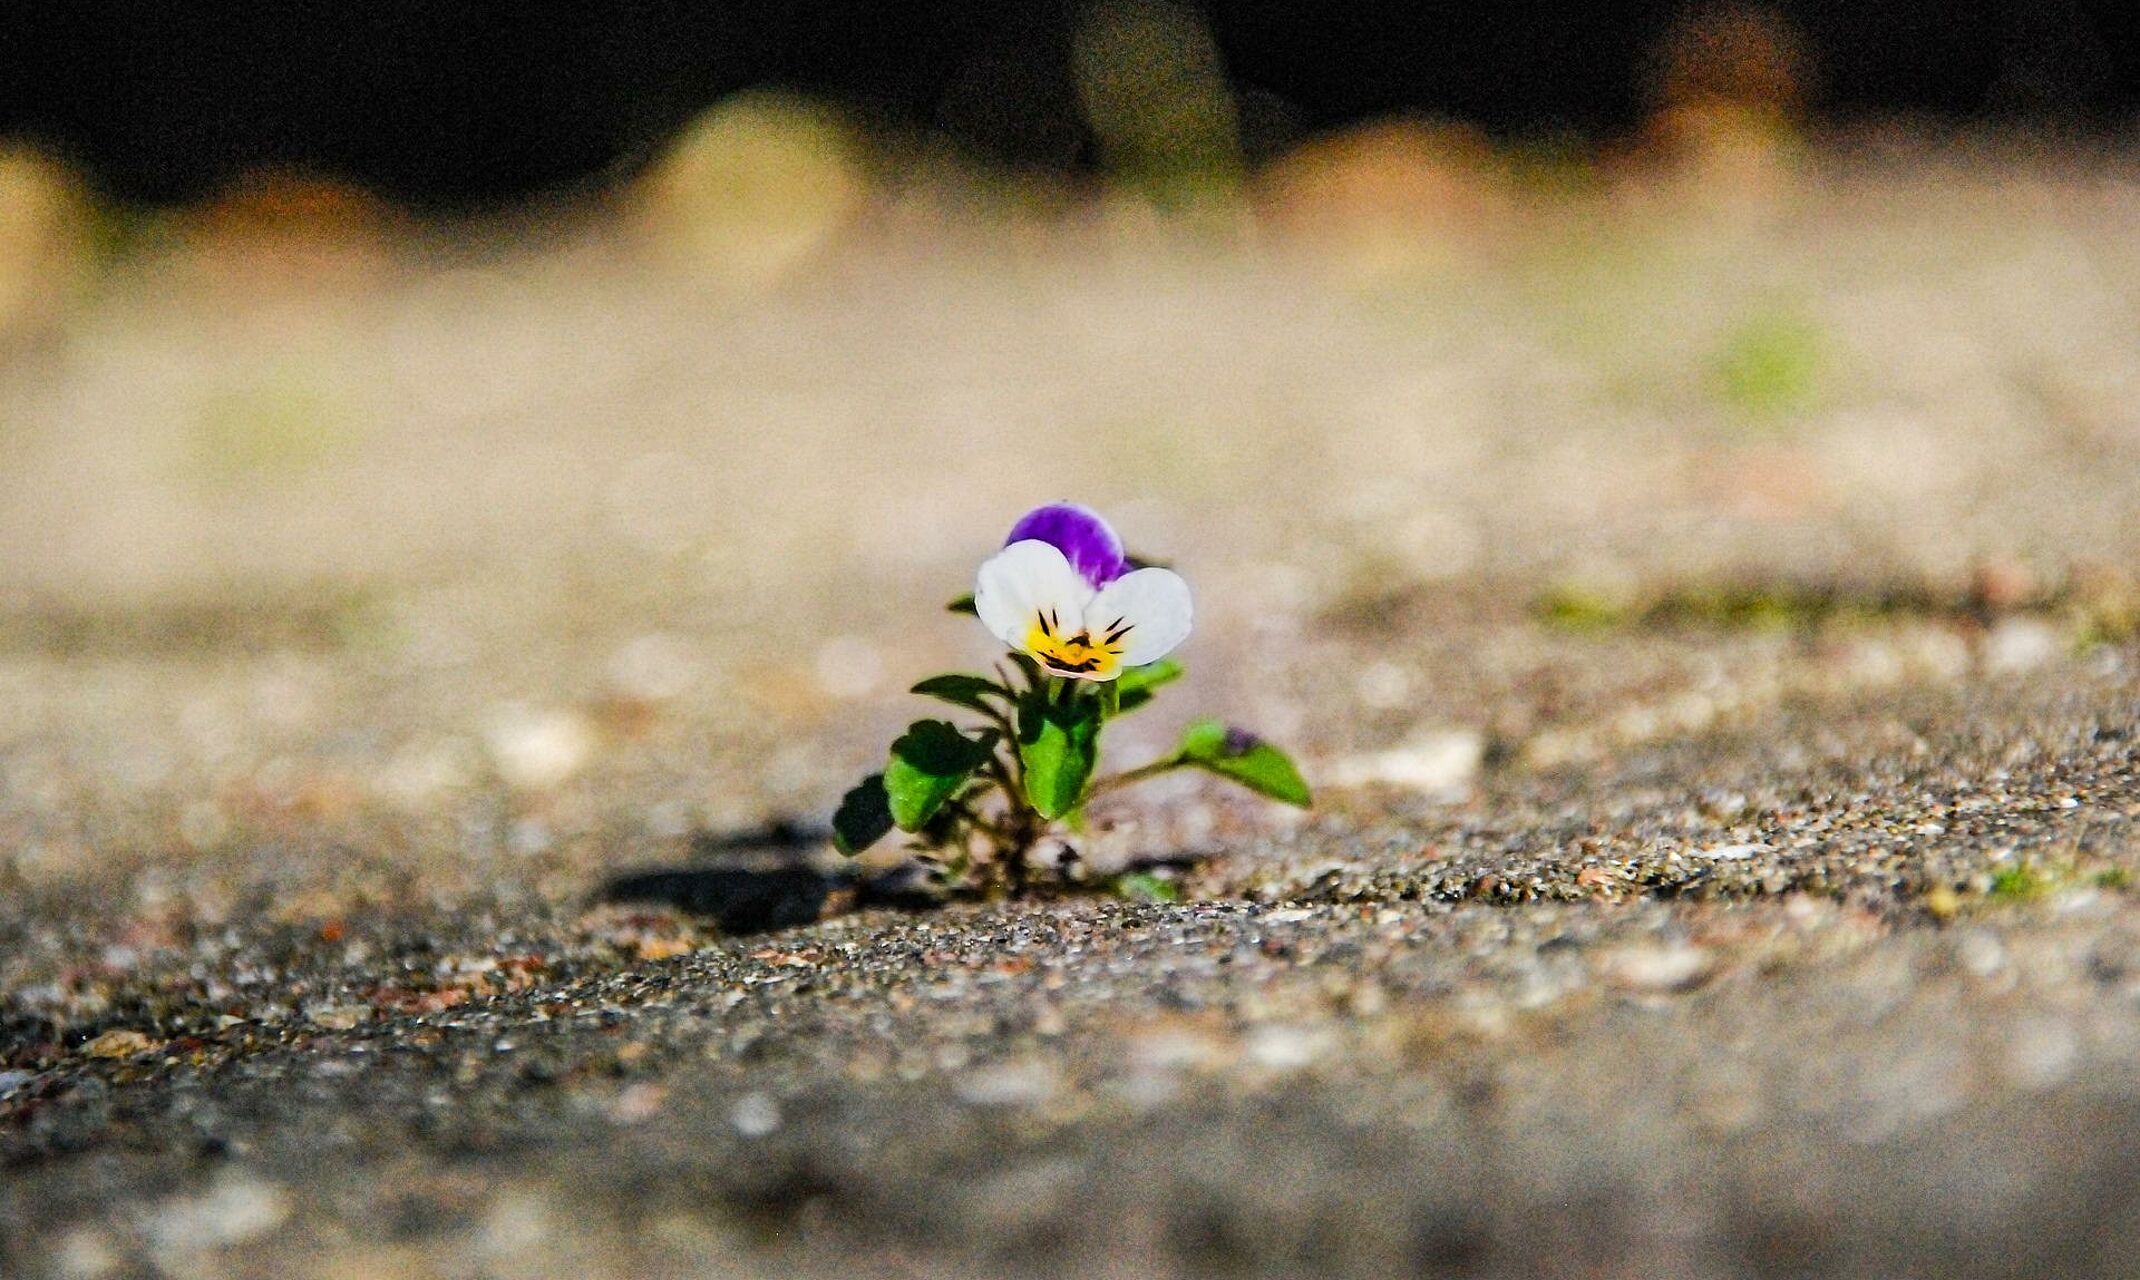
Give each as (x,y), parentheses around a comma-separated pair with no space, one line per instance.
(2018,883)
(1089,634)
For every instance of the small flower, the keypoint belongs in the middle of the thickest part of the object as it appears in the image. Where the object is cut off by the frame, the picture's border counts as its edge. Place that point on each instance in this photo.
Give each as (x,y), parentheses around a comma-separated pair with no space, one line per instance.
(1061,591)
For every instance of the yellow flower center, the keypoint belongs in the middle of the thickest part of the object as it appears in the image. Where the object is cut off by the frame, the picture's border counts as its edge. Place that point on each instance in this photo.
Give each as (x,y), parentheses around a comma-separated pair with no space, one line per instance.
(1082,654)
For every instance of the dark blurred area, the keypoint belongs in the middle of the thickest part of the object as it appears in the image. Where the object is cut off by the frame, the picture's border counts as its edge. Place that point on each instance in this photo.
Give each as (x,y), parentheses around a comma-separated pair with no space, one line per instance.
(449,104)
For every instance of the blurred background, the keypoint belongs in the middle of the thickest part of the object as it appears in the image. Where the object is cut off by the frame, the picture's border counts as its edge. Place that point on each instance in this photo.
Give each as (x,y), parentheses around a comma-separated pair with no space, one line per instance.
(456,105)
(462,432)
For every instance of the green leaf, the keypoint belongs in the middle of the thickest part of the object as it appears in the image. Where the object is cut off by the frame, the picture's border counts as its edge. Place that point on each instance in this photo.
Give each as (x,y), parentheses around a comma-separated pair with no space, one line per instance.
(1152,674)
(1133,688)
(864,817)
(1246,759)
(1061,747)
(961,690)
(964,604)
(1143,886)
(929,763)
(1203,739)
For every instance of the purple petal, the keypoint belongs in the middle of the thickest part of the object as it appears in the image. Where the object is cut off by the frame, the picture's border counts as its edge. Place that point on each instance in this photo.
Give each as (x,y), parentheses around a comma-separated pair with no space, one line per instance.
(1078,532)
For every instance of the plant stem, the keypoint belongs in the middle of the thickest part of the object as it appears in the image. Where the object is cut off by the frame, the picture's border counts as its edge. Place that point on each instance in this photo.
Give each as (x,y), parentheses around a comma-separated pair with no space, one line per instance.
(1002,721)
(1010,778)
(1128,777)
(973,818)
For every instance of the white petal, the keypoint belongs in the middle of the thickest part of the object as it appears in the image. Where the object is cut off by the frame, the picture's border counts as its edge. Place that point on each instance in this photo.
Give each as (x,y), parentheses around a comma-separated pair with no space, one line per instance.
(1020,581)
(1153,604)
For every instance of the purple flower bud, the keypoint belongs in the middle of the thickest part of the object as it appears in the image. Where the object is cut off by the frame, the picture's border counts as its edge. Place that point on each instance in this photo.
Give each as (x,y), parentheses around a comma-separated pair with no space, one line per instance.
(1080,534)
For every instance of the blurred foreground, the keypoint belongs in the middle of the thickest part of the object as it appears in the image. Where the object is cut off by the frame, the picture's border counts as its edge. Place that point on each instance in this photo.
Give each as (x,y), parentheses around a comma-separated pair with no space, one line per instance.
(1701,583)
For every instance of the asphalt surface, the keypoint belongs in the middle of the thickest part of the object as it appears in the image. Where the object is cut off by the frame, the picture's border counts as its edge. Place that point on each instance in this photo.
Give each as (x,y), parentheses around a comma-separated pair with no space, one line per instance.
(413,829)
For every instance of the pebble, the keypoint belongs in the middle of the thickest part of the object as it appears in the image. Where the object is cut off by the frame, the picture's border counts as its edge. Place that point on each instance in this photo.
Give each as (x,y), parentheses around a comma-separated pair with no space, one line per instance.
(518,1221)
(235,1209)
(1012,1085)
(1734,852)
(639,1103)
(1655,968)
(123,1042)
(1287,1048)
(534,749)
(755,1115)
(2019,645)
(340,1017)
(1166,1049)
(1441,764)
(1980,952)
(86,1253)
(1145,1090)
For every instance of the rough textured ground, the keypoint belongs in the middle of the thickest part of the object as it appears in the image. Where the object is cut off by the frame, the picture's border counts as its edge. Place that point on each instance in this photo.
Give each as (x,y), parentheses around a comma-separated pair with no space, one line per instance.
(1710,628)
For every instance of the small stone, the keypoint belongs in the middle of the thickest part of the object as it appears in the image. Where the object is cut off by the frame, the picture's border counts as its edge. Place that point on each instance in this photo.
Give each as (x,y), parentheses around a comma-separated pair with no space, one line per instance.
(1146,1090)
(1283,1048)
(13,1080)
(638,1103)
(1011,1085)
(1440,764)
(340,1017)
(86,1253)
(661,947)
(1367,1000)
(518,1221)
(1733,852)
(755,1115)
(2018,645)
(121,1043)
(1980,952)
(1655,968)
(534,749)
(1175,1047)
(236,1209)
